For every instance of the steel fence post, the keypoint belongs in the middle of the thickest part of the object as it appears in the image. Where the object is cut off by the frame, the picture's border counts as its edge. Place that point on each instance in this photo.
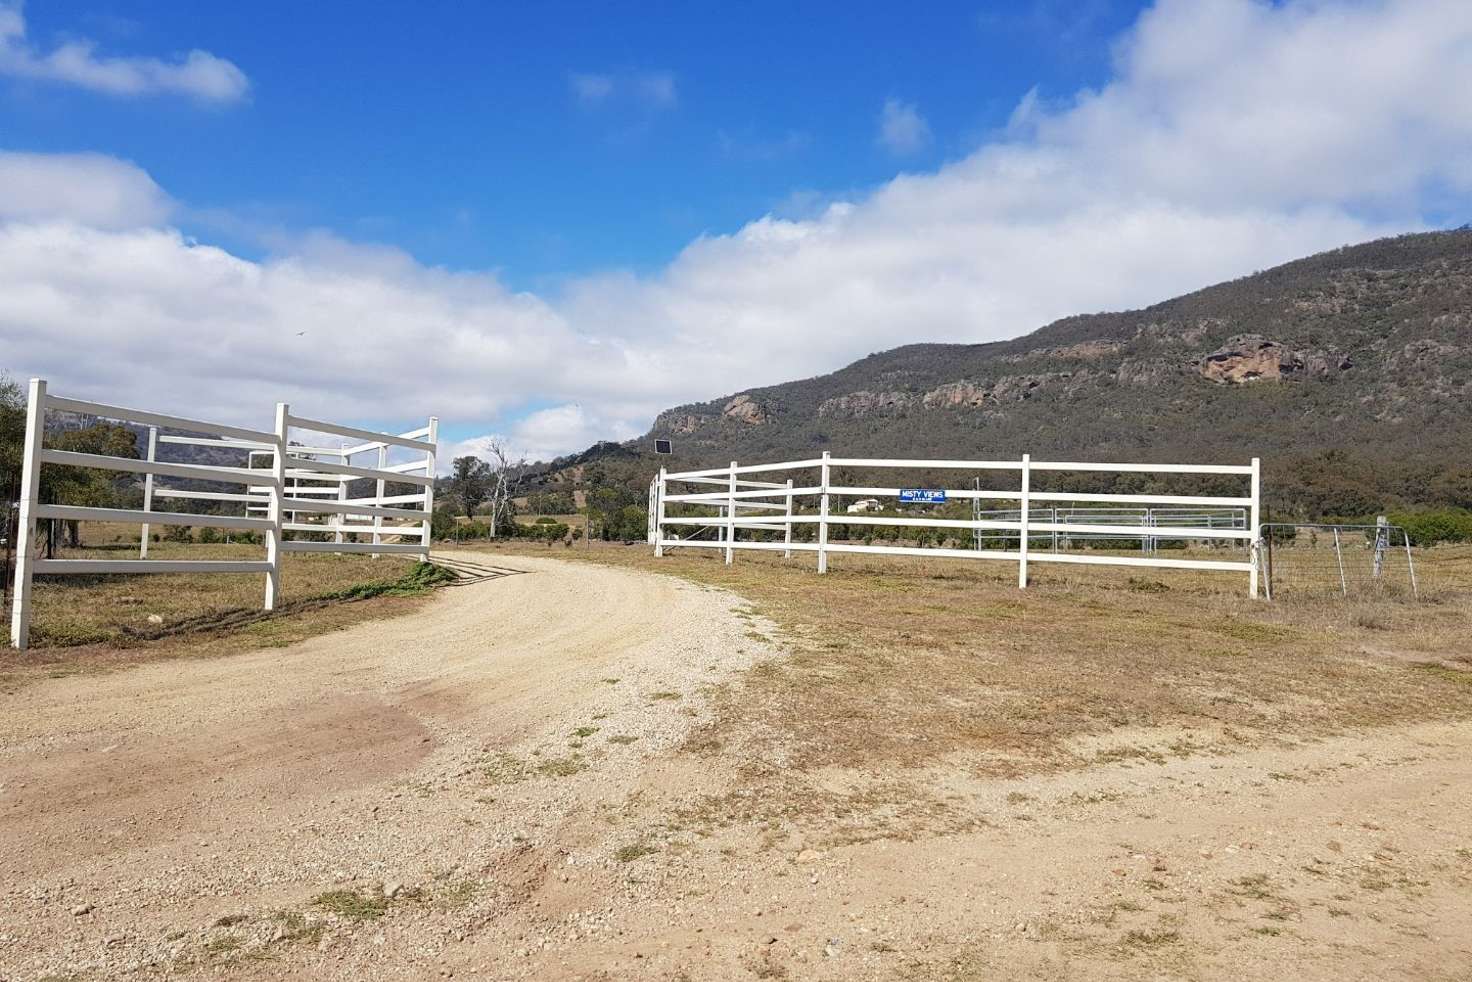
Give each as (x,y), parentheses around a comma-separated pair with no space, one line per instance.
(1339,556)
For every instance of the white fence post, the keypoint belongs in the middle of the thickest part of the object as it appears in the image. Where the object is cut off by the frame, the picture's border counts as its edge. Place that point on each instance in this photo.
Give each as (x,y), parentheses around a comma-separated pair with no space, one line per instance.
(148,490)
(1254,543)
(274,512)
(25,519)
(823,517)
(1022,521)
(340,520)
(787,536)
(427,531)
(378,496)
(731,517)
(658,490)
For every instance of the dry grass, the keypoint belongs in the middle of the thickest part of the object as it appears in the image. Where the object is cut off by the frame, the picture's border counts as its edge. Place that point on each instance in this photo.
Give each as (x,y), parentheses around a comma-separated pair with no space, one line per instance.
(88,623)
(116,609)
(903,662)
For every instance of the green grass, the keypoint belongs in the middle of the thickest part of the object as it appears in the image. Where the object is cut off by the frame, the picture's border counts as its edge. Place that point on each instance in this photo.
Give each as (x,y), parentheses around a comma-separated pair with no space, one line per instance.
(506,768)
(297,927)
(420,579)
(352,905)
(637,850)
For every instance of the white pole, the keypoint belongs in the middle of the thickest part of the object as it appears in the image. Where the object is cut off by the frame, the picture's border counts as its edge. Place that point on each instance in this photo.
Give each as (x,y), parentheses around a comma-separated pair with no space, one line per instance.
(823,517)
(274,510)
(148,491)
(1022,521)
(651,517)
(1339,555)
(25,521)
(731,517)
(1411,565)
(1382,541)
(378,496)
(434,434)
(342,495)
(659,514)
(1255,542)
(787,536)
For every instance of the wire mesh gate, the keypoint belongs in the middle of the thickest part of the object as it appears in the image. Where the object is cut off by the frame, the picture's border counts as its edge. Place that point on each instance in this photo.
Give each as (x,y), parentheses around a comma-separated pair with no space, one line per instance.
(1337,560)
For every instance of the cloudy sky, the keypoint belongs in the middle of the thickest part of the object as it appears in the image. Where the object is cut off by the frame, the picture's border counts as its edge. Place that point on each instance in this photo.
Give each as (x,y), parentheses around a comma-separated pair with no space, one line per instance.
(548,223)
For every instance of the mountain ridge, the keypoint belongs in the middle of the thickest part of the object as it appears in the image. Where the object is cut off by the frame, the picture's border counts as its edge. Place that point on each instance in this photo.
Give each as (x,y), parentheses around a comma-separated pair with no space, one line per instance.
(1349,372)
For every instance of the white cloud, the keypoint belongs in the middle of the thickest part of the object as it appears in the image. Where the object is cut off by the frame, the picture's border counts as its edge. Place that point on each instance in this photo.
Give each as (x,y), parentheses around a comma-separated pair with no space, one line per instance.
(648,91)
(1230,138)
(92,189)
(590,89)
(197,74)
(745,146)
(658,90)
(545,434)
(902,130)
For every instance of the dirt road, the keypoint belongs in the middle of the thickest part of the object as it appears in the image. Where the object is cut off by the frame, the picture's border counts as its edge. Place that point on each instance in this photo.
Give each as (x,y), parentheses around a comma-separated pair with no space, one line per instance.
(489,788)
(142,806)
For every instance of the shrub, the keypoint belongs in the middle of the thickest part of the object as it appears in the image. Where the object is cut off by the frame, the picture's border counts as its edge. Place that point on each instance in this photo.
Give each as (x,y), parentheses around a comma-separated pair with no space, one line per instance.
(442,524)
(1425,528)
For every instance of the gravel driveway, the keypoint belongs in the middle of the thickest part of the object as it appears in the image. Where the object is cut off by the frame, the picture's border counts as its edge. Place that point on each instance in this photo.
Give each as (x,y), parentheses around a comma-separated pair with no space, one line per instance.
(246,814)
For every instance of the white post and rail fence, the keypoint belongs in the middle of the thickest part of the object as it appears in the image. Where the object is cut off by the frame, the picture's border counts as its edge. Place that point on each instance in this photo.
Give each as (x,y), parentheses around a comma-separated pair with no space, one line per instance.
(298,483)
(749,497)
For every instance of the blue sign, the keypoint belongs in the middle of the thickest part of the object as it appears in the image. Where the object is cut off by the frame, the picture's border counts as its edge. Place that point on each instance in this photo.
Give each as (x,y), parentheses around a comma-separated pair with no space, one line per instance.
(922,496)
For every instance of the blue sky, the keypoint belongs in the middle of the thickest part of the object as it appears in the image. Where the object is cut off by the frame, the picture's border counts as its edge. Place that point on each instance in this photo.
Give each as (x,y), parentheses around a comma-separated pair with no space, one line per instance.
(457,132)
(545,223)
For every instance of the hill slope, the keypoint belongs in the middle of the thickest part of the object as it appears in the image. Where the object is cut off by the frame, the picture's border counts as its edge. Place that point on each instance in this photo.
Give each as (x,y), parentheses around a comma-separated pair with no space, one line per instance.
(1349,373)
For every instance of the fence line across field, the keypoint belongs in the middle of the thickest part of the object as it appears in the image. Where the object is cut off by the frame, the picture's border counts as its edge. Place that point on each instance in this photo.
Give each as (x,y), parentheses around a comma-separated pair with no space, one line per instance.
(747,504)
(295,480)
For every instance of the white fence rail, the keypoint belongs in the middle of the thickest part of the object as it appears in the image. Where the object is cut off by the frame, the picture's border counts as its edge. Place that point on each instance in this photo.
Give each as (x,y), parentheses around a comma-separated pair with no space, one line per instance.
(745,504)
(281,482)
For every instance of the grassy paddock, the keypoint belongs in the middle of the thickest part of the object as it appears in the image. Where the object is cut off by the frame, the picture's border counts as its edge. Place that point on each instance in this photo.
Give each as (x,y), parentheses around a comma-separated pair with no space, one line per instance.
(899,662)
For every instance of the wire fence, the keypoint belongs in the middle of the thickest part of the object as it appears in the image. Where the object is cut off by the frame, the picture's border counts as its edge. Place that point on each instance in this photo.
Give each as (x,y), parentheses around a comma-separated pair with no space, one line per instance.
(1327,560)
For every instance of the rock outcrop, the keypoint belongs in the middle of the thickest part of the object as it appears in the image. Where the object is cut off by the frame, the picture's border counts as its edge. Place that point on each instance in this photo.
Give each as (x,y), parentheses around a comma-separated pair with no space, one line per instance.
(1254,358)
(745,409)
(675,421)
(864,403)
(961,394)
